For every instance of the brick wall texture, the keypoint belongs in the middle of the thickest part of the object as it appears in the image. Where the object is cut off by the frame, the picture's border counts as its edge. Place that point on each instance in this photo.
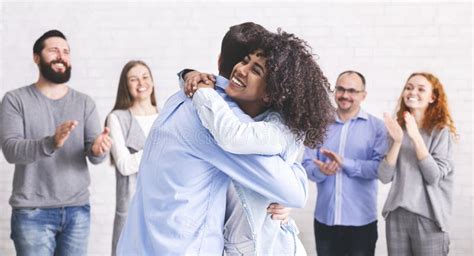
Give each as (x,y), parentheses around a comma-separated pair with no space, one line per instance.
(384,40)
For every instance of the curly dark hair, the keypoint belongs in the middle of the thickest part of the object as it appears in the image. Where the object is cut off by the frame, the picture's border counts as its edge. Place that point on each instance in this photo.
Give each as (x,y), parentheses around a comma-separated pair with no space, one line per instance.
(297,88)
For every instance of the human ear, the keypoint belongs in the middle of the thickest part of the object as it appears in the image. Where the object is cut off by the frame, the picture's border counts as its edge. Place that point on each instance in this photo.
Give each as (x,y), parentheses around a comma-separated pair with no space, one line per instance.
(266,99)
(36,58)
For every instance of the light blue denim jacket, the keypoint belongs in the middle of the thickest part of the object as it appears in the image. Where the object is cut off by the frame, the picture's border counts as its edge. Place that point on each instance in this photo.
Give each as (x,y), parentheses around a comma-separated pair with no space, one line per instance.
(179,204)
(248,228)
(259,234)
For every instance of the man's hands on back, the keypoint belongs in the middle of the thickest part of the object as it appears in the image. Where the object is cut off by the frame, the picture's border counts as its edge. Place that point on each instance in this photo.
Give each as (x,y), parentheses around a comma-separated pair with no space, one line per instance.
(279,212)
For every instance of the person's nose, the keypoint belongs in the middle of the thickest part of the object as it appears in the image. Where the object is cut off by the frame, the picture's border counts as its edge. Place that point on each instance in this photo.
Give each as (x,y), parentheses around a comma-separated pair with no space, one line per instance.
(61,55)
(242,71)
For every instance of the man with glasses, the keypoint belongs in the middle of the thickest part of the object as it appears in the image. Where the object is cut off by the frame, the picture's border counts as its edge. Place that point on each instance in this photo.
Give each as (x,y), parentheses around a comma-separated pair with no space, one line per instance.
(345,171)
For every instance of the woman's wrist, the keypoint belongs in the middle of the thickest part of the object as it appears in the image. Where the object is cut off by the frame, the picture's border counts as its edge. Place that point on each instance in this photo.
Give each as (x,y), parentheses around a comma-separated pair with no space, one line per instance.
(417,139)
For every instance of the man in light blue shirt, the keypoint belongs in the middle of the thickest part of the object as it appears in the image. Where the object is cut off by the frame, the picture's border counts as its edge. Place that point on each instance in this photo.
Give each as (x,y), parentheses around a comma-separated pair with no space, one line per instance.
(179,205)
(345,171)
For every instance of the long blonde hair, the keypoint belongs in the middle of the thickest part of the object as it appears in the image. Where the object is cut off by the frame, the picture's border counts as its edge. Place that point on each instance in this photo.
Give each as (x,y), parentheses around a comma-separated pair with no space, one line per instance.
(124,99)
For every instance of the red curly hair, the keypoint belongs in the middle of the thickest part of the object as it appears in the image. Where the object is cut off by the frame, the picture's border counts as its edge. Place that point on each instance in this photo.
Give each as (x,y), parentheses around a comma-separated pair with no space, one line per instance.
(437,114)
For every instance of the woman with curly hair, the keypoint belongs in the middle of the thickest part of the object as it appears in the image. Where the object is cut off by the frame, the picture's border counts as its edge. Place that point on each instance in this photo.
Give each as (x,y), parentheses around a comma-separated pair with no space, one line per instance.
(283,89)
(420,166)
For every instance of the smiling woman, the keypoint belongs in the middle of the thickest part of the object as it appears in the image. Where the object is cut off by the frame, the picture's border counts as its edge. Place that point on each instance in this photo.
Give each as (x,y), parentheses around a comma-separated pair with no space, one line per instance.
(247,85)
(130,122)
(283,89)
(420,167)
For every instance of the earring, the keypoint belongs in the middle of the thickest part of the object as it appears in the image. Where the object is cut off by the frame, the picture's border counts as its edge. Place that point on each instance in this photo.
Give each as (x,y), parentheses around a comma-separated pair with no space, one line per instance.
(266,103)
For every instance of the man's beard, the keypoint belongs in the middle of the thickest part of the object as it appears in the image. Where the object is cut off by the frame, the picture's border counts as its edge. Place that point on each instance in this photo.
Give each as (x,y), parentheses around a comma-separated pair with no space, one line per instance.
(49,74)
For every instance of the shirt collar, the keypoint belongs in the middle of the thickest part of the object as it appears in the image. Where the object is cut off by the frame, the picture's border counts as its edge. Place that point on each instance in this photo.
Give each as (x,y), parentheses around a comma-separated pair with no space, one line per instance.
(222,82)
(262,116)
(361,115)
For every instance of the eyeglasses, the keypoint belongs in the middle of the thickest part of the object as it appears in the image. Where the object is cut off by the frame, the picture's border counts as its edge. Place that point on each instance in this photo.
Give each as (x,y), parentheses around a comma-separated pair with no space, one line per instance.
(351,91)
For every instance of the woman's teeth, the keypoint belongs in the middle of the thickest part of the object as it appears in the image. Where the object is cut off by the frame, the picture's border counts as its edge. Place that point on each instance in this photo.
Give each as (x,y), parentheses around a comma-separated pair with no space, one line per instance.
(237,82)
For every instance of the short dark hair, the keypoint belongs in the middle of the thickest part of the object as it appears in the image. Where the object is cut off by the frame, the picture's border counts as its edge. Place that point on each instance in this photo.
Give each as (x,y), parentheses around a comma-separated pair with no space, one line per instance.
(237,43)
(353,72)
(39,44)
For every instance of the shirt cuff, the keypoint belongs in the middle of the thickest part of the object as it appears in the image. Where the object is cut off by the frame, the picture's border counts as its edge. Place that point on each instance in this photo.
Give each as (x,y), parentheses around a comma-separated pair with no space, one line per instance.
(183,72)
(48,146)
(349,166)
(385,171)
(97,159)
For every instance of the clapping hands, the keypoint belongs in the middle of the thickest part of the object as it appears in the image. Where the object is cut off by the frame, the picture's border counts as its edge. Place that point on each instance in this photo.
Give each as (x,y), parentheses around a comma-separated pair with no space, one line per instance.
(331,167)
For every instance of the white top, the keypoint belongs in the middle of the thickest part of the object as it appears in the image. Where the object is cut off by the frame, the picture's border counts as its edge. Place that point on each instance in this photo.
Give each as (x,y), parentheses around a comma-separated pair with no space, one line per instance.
(126,162)
(267,137)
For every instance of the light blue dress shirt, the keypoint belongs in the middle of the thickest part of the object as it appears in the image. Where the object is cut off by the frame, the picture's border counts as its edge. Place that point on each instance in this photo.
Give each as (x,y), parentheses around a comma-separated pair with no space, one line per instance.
(248,228)
(349,198)
(180,201)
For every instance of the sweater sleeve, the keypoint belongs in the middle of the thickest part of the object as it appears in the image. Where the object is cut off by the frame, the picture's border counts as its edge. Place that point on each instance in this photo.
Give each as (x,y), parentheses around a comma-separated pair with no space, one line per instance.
(126,163)
(92,129)
(17,149)
(385,172)
(233,135)
(439,163)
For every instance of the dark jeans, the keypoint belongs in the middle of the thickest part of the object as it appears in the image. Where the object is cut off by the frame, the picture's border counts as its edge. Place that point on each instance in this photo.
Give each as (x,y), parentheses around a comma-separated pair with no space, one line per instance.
(51,231)
(345,240)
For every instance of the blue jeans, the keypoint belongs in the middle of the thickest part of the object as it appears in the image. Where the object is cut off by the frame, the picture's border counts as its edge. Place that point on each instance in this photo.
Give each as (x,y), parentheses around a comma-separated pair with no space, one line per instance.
(51,231)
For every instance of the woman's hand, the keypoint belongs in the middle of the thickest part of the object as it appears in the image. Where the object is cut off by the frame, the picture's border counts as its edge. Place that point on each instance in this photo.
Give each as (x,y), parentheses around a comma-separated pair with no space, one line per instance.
(393,128)
(195,80)
(279,212)
(412,127)
(415,135)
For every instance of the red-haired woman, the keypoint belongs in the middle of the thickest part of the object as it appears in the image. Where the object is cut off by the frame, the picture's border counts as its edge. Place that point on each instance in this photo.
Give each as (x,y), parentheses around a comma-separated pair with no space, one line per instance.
(420,166)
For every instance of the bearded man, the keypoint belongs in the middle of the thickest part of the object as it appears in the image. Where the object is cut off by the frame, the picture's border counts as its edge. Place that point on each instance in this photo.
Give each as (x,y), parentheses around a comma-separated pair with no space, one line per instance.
(47,129)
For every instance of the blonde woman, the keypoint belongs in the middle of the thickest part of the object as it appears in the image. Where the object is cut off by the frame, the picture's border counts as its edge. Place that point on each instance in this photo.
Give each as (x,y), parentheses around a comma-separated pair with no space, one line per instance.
(130,122)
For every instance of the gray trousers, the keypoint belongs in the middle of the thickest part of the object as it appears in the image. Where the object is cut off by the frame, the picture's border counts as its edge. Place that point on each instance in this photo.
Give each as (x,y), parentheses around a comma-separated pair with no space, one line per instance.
(411,234)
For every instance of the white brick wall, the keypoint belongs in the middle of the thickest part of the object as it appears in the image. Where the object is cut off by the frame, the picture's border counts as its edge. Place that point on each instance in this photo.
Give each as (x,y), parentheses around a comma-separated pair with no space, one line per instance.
(385,41)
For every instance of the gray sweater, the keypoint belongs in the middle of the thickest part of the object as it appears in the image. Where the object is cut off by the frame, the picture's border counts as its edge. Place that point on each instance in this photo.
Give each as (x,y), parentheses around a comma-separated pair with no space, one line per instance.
(45,177)
(422,187)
